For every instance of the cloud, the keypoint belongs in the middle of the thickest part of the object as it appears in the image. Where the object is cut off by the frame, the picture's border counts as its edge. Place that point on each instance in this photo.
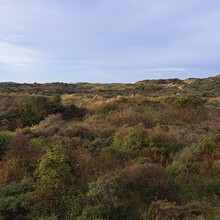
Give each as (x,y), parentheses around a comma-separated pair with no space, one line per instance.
(14,55)
(109,40)
(169,69)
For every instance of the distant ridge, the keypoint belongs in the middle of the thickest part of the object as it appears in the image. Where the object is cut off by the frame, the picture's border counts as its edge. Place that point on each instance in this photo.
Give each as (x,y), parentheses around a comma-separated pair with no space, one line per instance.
(157,87)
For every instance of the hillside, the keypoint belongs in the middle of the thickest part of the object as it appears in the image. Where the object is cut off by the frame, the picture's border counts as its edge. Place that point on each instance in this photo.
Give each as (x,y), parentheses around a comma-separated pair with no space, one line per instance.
(148,150)
(208,86)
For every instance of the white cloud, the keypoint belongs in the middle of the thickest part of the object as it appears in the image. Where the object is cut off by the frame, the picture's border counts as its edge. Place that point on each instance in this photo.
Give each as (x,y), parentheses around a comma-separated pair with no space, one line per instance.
(169,69)
(109,39)
(17,56)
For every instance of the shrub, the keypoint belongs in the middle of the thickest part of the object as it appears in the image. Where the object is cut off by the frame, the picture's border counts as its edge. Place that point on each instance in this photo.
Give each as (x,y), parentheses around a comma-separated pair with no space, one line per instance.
(33,110)
(177,168)
(16,160)
(93,212)
(164,210)
(16,199)
(159,145)
(204,146)
(146,183)
(189,158)
(210,186)
(182,100)
(72,111)
(105,108)
(129,139)
(55,177)
(103,191)
(4,140)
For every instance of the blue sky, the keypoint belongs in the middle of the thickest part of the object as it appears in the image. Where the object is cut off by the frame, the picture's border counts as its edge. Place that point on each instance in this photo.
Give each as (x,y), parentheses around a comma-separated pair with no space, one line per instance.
(108,41)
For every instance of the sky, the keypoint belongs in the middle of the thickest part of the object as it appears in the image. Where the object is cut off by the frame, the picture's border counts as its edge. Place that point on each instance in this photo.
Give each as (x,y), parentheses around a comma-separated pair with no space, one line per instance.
(108,40)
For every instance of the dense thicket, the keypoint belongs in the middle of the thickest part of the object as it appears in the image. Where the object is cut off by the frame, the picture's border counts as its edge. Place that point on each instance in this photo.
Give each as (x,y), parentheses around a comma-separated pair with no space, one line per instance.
(141,151)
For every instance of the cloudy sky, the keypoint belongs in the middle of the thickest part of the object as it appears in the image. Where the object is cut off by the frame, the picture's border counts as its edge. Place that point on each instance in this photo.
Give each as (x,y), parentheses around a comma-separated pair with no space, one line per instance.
(108,40)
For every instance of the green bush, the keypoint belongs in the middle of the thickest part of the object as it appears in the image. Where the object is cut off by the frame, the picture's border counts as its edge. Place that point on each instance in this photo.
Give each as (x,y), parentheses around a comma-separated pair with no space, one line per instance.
(204,146)
(129,139)
(16,199)
(182,100)
(103,191)
(105,108)
(55,177)
(4,140)
(177,168)
(210,186)
(188,159)
(33,110)
(93,212)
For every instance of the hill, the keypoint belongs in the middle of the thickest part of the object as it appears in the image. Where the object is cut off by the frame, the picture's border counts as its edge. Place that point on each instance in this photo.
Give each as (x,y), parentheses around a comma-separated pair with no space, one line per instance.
(208,86)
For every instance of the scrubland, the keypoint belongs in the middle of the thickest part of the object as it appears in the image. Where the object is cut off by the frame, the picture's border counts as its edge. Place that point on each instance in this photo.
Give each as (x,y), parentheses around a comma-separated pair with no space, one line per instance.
(149,150)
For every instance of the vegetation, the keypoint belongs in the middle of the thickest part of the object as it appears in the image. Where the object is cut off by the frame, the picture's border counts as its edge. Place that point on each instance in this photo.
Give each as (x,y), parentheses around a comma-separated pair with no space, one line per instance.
(149,150)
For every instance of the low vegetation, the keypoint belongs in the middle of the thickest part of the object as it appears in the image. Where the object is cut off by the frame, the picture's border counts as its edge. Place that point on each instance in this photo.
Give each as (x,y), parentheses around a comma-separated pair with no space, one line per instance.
(149,150)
